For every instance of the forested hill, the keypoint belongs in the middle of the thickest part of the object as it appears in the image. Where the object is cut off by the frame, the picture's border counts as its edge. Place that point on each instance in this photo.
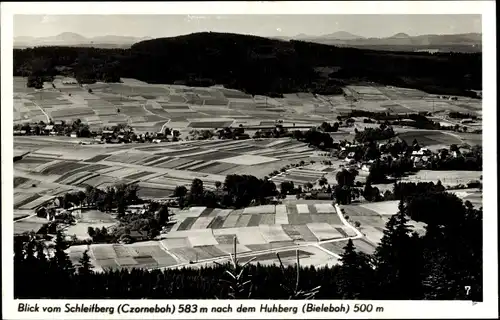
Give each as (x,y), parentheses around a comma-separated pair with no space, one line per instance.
(256,65)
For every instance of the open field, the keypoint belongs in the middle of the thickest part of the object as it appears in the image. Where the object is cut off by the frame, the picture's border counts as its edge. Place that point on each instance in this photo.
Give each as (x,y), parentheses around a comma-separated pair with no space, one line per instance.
(427,138)
(52,166)
(196,239)
(157,168)
(475,196)
(373,218)
(147,107)
(447,177)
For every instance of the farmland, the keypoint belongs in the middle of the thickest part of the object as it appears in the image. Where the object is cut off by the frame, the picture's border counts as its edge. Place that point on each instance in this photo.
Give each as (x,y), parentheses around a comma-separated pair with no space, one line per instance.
(446,177)
(53,165)
(202,235)
(157,168)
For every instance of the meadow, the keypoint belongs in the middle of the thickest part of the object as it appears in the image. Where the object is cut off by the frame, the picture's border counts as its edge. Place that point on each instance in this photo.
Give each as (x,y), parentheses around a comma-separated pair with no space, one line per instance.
(202,235)
(52,166)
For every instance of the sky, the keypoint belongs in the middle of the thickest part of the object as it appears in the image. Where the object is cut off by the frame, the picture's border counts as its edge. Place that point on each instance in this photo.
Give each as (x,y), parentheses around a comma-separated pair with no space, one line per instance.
(381,25)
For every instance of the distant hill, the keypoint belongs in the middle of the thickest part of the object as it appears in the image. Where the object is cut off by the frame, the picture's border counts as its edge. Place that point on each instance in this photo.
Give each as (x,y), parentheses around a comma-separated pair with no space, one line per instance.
(257,65)
(75,39)
(468,42)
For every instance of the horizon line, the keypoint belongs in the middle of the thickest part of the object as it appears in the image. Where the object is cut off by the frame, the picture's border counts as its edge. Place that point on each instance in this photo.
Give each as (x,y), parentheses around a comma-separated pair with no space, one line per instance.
(229,32)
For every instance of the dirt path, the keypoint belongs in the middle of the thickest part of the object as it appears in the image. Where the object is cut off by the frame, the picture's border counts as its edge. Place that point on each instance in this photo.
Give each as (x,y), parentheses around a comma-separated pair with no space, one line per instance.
(41,109)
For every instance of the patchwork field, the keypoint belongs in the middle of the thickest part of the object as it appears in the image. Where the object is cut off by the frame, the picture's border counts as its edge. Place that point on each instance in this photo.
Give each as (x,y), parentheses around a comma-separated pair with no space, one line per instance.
(203,235)
(148,106)
(157,168)
(447,177)
(52,166)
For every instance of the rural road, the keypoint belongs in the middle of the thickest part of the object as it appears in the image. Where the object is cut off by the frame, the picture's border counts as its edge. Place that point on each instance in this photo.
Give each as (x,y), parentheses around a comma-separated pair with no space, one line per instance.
(27,217)
(163,127)
(294,247)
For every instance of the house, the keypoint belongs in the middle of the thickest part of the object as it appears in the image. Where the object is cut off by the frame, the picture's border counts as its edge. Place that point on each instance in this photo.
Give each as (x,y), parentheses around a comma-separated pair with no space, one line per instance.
(366,167)
(48,129)
(107,134)
(421,152)
(446,124)
(67,81)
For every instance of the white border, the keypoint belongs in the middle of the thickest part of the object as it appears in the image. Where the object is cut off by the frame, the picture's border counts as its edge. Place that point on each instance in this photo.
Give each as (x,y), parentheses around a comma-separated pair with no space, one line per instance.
(423,309)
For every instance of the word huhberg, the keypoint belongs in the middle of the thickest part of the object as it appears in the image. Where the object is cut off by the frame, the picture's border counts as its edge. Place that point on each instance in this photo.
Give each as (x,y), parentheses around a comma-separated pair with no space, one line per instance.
(277,308)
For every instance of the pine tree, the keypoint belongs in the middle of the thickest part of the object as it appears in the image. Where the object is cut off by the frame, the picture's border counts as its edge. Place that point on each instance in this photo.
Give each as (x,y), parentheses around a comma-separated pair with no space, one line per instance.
(163,215)
(398,271)
(354,275)
(60,260)
(85,267)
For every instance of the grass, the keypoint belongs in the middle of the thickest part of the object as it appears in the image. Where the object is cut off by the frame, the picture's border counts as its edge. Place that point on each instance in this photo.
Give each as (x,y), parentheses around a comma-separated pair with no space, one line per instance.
(215,155)
(19,180)
(216,223)
(85,167)
(248,159)
(217,167)
(149,192)
(427,138)
(358,210)
(103,252)
(226,238)
(446,177)
(138,175)
(323,231)
(187,224)
(25,200)
(27,225)
(384,207)
(62,167)
(98,158)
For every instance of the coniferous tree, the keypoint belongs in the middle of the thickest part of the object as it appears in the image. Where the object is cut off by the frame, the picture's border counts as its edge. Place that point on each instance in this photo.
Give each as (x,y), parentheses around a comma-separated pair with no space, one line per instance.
(85,267)
(354,275)
(60,260)
(397,269)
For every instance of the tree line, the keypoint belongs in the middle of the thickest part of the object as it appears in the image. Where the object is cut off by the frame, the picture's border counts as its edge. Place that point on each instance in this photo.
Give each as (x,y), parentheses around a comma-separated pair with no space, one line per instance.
(203,59)
(404,266)
(237,191)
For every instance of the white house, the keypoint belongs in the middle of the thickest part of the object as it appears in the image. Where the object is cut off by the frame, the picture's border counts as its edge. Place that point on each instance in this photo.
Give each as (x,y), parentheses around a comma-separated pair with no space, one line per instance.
(421,152)
(48,128)
(366,167)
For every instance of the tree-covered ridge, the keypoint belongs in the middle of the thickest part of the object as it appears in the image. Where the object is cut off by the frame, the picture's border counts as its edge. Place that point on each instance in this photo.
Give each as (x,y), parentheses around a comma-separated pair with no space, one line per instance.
(405,265)
(255,65)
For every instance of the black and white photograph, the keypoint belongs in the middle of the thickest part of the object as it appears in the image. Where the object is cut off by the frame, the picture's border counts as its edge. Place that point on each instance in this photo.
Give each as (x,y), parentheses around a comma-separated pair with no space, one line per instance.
(249,156)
